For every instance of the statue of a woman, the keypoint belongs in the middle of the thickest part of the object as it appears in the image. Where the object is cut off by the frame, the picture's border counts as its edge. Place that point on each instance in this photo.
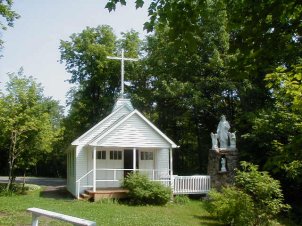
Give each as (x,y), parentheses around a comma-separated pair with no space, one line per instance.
(222,132)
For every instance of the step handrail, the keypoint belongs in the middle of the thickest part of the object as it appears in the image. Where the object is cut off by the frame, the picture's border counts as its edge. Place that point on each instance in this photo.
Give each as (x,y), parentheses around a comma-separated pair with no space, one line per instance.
(79,182)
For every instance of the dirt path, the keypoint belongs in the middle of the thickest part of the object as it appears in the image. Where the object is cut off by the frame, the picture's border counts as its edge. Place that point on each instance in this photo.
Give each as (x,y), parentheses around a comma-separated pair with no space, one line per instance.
(52,187)
(42,181)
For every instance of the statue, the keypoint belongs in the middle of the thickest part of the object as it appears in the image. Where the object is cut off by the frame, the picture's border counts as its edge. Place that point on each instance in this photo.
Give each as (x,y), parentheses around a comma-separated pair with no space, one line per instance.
(223,168)
(222,132)
(232,137)
(214,140)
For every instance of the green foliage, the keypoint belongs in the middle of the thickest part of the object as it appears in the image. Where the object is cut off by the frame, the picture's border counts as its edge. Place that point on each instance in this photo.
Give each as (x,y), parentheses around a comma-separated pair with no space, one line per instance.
(255,199)
(13,212)
(232,206)
(111,4)
(188,75)
(108,201)
(181,199)
(7,16)
(265,192)
(18,189)
(286,85)
(27,123)
(96,78)
(143,191)
(277,132)
(7,13)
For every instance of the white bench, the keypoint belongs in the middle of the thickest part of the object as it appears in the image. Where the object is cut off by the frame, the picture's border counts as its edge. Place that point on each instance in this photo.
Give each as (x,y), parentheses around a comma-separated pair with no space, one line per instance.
(36,212)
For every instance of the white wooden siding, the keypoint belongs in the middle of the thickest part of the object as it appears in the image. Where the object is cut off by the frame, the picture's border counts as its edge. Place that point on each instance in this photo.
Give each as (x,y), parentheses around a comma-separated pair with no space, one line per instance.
(101,126)
(104,164)
(145,166)
(134,132)
(81,164)
(109,164)
(162,161)
(89,165)
(71,181)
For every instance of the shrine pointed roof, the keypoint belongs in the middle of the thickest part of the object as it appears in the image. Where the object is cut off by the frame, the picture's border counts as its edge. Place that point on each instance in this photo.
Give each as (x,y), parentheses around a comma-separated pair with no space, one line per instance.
(122,101)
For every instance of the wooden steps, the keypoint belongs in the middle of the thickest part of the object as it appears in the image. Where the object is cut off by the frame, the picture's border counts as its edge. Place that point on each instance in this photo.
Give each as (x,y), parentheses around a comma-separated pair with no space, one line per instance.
(86,196)
(104,193)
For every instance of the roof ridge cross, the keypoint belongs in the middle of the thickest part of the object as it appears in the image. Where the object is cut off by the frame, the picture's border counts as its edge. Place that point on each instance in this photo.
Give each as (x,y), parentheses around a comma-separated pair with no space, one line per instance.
(122,59)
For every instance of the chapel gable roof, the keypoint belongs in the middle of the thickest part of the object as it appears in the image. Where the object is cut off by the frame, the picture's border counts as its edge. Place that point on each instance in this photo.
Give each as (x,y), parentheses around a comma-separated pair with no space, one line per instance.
(117,113)
(133,130)
(125,127)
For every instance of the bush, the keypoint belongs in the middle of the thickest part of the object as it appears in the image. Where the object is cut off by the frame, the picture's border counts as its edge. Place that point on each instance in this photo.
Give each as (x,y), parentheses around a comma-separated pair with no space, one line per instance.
(17,189)
(181,199)
(231,206)
(142,191)
(255,199)
(265,191)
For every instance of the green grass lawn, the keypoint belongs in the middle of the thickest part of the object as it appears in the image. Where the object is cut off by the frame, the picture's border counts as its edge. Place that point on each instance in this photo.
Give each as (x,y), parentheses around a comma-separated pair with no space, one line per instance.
(13,211)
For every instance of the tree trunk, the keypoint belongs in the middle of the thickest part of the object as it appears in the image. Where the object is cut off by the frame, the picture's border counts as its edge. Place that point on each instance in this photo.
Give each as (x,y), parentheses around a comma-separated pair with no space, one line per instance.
(11,160)
(23,185)
(10,172)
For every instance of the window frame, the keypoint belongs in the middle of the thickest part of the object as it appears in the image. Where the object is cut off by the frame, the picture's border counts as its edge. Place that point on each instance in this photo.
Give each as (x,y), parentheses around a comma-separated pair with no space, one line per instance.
(147,156)
(101,155)
(115,155)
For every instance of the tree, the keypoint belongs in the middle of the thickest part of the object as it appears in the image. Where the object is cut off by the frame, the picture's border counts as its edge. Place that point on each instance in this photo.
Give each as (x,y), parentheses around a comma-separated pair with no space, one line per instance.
(26,124)
(96,82)
(8,15)
(277,132)
(262,36)
(96,78)
(186,86)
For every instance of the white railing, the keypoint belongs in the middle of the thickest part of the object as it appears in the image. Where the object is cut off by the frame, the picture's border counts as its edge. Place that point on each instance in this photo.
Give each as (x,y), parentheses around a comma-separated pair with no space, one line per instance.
(179,184)
(117,175)
(36,213)
(191,184)
(78,182)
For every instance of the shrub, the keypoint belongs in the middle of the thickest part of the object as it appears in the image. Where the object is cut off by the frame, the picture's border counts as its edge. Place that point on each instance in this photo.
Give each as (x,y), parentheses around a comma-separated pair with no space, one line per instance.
(255,199)
(231,206)
(142,191)
(181,199)
(265,191)
(17,189)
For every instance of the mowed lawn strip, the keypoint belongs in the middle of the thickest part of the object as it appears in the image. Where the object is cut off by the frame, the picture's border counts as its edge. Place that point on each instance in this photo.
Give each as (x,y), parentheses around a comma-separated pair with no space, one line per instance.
(13,211)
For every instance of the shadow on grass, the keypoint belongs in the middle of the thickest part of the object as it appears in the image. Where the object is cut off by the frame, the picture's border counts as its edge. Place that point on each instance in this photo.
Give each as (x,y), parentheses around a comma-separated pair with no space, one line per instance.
(208,220)
(59,192)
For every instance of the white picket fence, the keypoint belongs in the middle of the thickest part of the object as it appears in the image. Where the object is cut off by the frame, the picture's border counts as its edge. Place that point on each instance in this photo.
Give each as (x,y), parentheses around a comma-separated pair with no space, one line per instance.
(191,184)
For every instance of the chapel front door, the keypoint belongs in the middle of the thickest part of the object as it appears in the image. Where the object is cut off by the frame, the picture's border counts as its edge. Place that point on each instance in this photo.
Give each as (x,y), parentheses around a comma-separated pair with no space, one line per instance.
(128,161)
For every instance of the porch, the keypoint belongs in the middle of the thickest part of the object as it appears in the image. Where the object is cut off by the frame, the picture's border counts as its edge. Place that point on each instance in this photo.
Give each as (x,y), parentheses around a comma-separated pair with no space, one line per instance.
(99,188)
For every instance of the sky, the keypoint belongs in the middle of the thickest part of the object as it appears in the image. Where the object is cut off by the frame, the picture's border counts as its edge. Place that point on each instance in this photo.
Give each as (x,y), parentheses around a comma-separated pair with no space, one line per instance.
(33,42)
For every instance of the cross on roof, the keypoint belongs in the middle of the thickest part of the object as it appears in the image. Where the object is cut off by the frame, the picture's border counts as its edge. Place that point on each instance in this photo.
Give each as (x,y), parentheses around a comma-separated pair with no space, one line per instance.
(122,59)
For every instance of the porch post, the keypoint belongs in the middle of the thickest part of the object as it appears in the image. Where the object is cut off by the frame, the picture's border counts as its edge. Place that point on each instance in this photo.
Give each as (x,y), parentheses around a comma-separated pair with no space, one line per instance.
(134,159)
(94,168)
(171,168)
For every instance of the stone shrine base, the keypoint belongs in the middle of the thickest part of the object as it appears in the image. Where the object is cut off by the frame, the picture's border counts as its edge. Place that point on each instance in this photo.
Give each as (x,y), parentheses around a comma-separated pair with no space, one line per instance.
(219,177)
